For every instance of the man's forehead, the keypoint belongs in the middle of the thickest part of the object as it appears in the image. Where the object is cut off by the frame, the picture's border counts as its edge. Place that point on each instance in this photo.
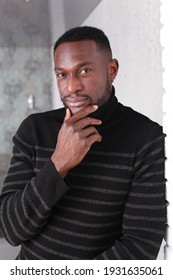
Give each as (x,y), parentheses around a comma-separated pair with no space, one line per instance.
(79,65)
(76,53)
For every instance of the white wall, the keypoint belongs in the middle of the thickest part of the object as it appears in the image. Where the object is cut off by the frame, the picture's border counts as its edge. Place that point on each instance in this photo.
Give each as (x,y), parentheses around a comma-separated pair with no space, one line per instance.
(167,59)
(133,28)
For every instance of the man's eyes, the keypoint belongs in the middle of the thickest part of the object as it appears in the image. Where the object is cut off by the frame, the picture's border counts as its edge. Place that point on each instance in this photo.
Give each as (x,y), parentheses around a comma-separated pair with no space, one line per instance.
(61,75)
(85,71)
(82,71)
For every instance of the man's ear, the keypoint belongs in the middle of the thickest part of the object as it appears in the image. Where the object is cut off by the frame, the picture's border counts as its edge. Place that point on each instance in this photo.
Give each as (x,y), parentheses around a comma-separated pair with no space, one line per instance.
(113,69)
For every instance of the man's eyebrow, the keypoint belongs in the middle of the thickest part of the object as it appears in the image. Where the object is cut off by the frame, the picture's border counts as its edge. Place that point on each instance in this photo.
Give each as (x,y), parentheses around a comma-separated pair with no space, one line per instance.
(77,66)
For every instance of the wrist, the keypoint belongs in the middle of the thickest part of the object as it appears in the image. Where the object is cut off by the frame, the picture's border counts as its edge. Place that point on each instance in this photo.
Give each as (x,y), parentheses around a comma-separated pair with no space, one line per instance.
(60,169)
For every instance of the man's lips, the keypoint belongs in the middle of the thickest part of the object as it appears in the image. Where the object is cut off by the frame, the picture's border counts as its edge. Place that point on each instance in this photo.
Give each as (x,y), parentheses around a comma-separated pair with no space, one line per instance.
(77,102)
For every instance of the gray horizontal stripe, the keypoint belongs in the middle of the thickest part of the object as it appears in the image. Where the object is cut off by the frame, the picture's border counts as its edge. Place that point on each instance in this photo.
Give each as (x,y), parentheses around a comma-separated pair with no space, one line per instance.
(3,209)
(149,184)
(54,252)
(14,231)
(21,224)
(23,142)
(146,195)
(156,231)
(100,177)
(151,143)
(75,234)
(32,146)
(36,170)
(149,207)
(9,191)
(117,255)
(22,154)
(17,154)
(94,201)
(128,252)
(19,172)
(143,218)
(154,152)
(44,149)
(101,190)
(41,159)
(108,154)
(16,183)
(145,166)
(143,251)
(32,252)
(75,246)
(155,173)
(105,256)
(15,164)
(35,208)
(31,221)
(47,208)
(107,165)
(83,224)
(156,245)
(92,213)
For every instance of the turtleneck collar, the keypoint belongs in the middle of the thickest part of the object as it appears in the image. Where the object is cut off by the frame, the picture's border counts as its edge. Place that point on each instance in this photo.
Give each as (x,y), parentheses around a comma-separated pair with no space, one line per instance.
(107,110)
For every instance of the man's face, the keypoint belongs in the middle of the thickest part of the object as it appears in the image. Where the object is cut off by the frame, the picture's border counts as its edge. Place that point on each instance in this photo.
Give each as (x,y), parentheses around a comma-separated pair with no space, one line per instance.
(84,74)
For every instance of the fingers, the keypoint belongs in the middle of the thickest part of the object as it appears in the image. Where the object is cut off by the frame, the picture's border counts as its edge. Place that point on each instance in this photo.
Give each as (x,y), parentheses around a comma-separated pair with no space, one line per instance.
(89,136)
(84,123)
(83,113)
(92,139)
(81,127)
(89,141)
(80,120)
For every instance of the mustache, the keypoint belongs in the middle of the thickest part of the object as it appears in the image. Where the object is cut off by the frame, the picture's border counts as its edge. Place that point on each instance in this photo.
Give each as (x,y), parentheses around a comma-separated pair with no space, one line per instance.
(73,95)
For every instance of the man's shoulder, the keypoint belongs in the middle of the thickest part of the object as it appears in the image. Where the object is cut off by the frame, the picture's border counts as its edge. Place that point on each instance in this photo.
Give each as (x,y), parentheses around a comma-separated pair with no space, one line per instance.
(42,121)
(45,118)
(57,114)
(140,126)
(138,119)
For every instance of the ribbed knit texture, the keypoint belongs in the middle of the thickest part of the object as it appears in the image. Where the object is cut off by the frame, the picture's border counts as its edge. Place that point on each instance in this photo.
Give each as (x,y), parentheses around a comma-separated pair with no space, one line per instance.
(111,206)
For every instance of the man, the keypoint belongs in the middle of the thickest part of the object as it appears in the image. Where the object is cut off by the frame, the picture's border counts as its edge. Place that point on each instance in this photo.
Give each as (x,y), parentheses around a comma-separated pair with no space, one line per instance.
(85,181)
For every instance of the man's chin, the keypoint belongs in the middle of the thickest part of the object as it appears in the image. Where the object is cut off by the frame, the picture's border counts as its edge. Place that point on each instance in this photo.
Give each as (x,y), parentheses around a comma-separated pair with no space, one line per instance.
(75,110)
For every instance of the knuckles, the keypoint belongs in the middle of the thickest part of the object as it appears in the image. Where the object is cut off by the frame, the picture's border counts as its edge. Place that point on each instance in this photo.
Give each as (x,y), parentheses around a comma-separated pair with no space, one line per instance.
(73,131)
(77,135)
(68,126)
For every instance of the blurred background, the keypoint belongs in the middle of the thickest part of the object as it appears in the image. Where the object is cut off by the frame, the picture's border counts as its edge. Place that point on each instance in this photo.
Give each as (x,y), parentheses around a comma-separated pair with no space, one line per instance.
(28,30)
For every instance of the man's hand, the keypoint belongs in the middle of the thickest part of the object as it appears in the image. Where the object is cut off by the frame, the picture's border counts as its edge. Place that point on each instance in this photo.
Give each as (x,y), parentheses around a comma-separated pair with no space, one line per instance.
(75,138)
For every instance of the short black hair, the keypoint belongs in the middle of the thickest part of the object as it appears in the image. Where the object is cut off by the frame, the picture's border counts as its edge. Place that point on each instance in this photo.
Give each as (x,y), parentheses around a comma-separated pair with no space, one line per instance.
(85,33)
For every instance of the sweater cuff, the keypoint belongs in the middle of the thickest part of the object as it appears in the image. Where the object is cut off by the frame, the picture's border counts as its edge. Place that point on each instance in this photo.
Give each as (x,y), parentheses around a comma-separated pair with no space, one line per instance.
(50,184)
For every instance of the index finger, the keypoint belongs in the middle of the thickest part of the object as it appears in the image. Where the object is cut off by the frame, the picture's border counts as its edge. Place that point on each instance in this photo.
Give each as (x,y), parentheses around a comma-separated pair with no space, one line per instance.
(84,112)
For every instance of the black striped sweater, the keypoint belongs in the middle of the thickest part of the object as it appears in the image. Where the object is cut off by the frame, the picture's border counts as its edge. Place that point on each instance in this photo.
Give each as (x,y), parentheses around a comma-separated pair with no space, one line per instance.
(111,206)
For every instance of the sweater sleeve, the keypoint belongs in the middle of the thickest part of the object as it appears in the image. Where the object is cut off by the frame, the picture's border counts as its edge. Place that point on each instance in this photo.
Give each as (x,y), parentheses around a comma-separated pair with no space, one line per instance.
(27,199)
(144,216)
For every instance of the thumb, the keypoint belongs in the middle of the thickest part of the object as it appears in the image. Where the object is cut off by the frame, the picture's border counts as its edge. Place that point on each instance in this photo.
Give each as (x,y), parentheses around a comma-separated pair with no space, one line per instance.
(67,115)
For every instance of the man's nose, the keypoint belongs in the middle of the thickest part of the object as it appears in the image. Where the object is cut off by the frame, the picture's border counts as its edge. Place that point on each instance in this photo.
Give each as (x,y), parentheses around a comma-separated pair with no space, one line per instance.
(74,84)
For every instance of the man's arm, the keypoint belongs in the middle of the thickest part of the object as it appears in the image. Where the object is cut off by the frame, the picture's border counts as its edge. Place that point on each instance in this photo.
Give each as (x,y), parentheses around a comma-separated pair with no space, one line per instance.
(144,216)
(27,198)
